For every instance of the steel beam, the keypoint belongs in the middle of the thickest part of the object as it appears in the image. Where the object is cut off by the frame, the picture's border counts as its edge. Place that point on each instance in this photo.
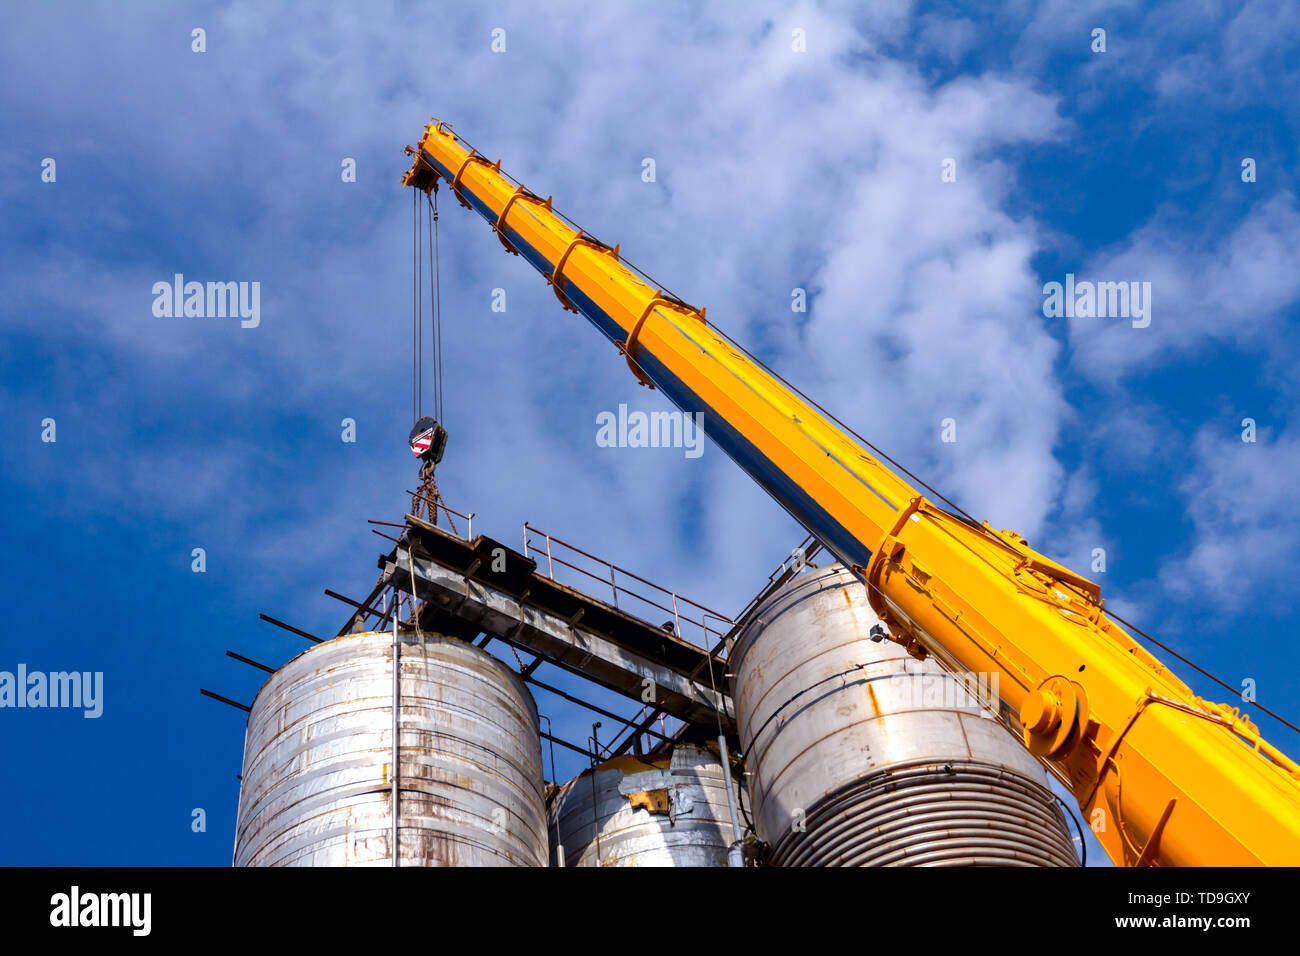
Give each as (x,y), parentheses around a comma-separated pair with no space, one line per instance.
(577,649)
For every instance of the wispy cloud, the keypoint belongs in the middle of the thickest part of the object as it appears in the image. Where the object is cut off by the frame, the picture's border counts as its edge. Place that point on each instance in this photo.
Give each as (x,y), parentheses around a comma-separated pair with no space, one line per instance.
(1240,498)
(1207,289)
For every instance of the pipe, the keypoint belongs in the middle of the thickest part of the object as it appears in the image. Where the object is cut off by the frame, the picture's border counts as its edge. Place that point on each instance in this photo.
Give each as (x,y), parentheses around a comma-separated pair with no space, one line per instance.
(559,847)
(595,803)
(736,854)
(397,703)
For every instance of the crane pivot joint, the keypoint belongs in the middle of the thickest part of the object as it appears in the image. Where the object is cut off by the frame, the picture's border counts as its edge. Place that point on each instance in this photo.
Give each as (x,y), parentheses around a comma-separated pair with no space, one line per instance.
(1053,717)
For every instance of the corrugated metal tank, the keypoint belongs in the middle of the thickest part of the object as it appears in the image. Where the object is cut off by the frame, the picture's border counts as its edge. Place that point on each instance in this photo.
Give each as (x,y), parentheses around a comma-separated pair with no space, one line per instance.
(858,755)
(652,811)
(318,755)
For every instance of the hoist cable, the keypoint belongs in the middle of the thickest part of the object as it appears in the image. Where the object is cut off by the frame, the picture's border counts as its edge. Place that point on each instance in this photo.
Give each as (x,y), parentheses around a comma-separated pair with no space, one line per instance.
(415,312)
(434,344)
(419,323)
(437,285)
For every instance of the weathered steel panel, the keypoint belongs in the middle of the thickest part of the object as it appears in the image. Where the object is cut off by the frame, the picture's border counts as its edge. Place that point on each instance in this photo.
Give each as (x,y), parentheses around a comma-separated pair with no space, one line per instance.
(859,755)
(650,811)
(318,757)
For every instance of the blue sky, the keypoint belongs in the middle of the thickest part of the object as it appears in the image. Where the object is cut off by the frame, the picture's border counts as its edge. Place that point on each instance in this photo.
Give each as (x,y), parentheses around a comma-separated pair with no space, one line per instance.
(775,169)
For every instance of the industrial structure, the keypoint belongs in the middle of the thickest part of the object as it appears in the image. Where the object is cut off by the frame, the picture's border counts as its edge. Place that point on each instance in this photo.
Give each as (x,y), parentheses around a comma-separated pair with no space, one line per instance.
(654,810)
(322,765)
(862,755)
(901,704)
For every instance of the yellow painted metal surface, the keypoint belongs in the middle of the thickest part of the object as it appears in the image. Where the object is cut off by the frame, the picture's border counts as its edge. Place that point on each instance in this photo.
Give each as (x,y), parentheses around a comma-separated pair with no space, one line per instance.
(1163,777)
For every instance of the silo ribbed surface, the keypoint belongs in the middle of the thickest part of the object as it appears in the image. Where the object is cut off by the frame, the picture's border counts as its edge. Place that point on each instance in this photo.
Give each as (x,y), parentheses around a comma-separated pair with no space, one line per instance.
(318,756)
(650,811)
(859,755)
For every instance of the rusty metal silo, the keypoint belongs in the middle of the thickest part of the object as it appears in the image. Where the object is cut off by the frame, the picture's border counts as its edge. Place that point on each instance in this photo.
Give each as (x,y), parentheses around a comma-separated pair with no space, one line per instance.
(644,811)
(318,758)
(859,755)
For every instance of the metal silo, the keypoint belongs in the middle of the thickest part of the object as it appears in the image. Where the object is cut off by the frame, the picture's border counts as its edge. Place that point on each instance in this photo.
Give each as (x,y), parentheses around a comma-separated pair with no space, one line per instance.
(859,755)
(318,758)
(644,811)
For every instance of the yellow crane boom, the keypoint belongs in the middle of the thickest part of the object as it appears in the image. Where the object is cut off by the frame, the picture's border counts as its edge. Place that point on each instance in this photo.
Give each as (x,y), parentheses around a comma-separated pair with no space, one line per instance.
(1163,776)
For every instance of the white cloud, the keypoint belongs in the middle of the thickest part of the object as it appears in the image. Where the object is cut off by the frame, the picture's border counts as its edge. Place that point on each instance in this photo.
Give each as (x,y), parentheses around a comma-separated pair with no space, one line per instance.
(951,38)
(1206,290)
(1240,498)
(776,168)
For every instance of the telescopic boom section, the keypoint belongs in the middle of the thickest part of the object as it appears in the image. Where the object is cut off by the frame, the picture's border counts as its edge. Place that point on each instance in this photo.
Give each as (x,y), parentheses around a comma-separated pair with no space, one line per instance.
(1163,777)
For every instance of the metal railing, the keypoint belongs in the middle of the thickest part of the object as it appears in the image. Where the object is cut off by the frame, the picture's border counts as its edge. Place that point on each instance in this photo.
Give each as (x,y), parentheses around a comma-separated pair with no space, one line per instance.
(696,623)
(800,556)
(441,506)
(688,619)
